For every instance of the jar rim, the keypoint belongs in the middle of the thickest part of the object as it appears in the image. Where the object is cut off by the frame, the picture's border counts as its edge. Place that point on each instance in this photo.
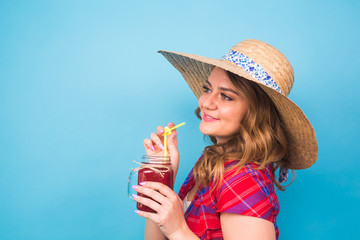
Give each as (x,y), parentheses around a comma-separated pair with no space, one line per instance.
(157,158)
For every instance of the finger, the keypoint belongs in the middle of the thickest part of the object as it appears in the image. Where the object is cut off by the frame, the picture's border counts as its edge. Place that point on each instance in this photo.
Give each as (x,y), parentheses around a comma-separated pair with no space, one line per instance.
(149,147)
(155,195)
(147,202)
(160,130)
(172,142)
(148,215)
(157,141)
(162,188)
(170,125)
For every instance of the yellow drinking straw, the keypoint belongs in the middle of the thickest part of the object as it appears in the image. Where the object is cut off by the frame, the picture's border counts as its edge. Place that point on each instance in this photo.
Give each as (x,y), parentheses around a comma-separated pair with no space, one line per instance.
(167,131)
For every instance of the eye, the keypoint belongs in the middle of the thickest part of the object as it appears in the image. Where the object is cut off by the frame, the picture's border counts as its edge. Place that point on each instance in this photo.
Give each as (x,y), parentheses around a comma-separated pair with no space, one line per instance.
(206,89)
(225,97)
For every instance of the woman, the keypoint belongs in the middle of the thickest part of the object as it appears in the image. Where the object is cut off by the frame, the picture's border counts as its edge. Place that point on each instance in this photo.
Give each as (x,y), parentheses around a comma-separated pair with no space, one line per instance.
(255,130)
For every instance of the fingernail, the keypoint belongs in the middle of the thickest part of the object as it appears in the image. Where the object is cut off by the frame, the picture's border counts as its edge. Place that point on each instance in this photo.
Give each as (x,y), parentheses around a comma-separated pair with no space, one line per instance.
(170,124)
(134,196)
(142,183)
(152,148)
(137,211)
(161,146)
(135,187)
(161,130)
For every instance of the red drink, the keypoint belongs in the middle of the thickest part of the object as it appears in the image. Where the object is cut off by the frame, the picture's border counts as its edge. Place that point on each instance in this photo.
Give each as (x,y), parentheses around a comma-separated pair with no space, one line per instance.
(164,175)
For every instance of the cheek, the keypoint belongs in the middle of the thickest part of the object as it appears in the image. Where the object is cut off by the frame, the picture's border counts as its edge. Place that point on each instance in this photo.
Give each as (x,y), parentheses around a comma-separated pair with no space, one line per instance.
(228,113)
(200,102)
(234,115)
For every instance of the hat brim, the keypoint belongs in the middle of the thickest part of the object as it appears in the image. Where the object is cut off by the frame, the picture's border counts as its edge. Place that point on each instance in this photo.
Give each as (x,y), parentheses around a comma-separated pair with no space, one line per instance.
(302,145)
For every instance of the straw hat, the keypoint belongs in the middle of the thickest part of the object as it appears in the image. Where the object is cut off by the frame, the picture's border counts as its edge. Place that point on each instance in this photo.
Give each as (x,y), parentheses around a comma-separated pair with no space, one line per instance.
(259,62)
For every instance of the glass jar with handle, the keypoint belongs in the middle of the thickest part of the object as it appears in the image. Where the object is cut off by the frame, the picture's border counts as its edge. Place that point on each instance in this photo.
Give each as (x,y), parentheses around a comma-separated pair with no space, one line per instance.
(153,169)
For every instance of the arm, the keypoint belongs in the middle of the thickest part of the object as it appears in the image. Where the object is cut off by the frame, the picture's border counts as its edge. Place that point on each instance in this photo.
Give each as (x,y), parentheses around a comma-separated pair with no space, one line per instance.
(236,226)
(152,231)
(169,217)
(244,206)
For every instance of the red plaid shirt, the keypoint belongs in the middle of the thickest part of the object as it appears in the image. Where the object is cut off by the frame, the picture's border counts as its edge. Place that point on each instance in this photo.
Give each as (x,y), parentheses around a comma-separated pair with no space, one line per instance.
(250,192)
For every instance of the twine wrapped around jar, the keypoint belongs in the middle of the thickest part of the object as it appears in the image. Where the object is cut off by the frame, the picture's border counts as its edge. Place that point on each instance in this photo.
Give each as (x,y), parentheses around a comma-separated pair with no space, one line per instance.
(151,166)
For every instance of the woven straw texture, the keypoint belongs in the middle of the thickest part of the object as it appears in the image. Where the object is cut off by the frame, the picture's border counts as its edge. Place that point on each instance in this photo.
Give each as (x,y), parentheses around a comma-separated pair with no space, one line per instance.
(196,69)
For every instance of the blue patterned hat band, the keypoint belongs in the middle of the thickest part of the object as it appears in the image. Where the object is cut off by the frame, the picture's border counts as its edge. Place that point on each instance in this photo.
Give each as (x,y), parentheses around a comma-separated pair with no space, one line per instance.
(252,68)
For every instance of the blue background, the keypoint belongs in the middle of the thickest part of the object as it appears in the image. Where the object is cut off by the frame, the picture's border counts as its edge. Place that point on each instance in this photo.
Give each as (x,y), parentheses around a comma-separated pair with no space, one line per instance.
(81,86)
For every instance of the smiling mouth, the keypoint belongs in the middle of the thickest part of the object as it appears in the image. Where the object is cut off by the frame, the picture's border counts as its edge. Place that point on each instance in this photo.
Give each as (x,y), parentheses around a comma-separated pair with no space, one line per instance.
(208,118)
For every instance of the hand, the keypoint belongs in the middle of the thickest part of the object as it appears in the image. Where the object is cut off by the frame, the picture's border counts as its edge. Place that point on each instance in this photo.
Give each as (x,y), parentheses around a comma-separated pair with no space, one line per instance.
(169,215)
(155,146)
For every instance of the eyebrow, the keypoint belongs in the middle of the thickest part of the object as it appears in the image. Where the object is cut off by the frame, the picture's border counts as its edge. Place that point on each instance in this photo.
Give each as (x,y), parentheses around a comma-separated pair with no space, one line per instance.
(224,89)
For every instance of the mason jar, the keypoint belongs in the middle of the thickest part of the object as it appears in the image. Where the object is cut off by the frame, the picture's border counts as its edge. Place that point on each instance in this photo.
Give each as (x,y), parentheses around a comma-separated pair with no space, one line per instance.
(152,169)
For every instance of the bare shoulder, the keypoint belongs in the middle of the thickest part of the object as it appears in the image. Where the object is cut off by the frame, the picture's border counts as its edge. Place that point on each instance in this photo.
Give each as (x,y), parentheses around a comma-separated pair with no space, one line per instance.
(236,226)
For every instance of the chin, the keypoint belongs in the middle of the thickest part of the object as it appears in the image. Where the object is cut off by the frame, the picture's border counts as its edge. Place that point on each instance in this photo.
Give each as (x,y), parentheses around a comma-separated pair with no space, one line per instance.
(206,130)
(203,131)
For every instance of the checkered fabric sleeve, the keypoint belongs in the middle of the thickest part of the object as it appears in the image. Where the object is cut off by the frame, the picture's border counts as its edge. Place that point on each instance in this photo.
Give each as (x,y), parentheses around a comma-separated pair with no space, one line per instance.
(249,192)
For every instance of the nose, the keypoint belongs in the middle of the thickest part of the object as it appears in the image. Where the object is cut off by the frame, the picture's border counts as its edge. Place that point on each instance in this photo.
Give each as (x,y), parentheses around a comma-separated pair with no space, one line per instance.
(208,101)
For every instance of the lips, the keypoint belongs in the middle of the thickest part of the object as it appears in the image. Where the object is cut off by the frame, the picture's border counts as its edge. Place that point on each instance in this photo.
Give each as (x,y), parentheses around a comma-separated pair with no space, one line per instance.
(209,118)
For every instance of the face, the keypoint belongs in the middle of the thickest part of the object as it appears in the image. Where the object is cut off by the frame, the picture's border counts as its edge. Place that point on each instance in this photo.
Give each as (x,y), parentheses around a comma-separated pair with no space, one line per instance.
(222,107)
